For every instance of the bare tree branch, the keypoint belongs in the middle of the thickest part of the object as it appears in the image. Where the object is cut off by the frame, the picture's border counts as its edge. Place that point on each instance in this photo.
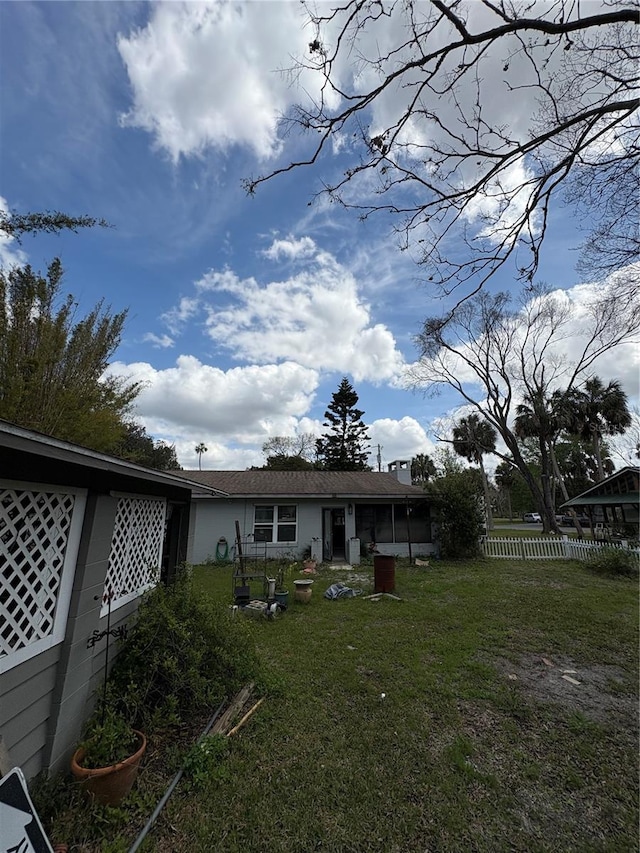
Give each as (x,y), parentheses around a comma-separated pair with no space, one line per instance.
(417,90)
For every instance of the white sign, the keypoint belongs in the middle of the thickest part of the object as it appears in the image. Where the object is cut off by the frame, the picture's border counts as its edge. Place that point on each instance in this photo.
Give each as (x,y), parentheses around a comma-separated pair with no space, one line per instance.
(20,827)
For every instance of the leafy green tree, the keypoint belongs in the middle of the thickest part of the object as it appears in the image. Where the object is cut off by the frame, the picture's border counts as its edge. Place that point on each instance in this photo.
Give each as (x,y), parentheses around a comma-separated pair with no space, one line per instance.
(457,495)
(599,410)
(423,468)
(52,367)
(473,438)
(282,462)
(344,446)
(139,447)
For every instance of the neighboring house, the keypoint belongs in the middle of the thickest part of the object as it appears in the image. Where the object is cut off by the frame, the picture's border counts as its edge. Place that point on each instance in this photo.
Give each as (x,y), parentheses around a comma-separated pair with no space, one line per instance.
(74,524)
(612,504)
(332,513)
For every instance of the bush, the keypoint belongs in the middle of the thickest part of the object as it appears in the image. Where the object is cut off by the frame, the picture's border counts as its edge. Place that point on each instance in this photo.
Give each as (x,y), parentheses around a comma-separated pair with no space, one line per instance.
(183,655)
(457,498)
(204,763)
(614,561)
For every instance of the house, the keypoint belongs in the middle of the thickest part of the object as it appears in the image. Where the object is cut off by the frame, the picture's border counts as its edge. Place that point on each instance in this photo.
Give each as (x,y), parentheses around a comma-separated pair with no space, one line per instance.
(612,504)
(82,536)
(335,514)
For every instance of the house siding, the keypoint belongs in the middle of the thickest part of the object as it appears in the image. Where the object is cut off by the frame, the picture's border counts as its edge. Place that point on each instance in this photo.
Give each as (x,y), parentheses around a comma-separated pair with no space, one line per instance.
(213,519)
(26,693)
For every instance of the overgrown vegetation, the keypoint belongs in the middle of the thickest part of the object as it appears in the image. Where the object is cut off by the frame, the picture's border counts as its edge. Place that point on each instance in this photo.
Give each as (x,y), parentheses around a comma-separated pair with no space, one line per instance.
(184,654)
(110,738)
(479,742)
(457,496)
(614,561)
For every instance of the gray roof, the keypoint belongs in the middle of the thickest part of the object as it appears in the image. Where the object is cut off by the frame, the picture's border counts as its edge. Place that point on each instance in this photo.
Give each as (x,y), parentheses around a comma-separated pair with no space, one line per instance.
(310,484)
(16,439)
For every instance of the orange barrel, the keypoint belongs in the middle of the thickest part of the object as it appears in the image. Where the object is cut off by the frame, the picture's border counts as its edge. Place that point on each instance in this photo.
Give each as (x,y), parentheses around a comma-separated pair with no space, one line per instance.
(384,573)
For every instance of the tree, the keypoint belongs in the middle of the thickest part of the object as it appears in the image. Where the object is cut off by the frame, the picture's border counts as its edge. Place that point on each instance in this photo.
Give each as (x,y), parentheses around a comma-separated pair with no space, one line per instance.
(457,496)
(290,453)
(280,462)
(505,478)
(52,367)
(18,224)
(423,468)
(599,410)
(139,447)
(344,447)
(200,449)
(493,354)
(473,438)
(578,465)
(463,121)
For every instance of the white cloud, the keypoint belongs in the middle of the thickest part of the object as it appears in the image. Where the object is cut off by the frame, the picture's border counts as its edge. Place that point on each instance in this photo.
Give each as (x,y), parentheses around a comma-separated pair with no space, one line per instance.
(290,249)
(244,405)
(184,311)
(398,439)
(209,74)
(315,318)
(503,204)
(158,341)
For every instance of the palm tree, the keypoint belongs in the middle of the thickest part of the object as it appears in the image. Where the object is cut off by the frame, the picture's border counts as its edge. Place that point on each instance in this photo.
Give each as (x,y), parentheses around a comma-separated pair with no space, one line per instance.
(472,439)
(422,468)
(543,419)
(599,411)
(200,449)
(505,478)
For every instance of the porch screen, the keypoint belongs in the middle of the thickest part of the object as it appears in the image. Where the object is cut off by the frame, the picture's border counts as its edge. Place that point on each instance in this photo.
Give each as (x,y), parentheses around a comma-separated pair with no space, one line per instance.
(388,522)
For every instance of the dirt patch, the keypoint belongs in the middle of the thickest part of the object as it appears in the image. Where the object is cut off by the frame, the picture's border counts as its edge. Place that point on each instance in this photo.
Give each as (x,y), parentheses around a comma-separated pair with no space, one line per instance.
(598,691)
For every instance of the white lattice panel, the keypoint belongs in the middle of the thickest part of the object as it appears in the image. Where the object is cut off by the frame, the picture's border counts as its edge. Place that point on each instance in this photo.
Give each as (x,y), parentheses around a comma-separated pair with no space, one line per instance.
(136,549)
(34,534)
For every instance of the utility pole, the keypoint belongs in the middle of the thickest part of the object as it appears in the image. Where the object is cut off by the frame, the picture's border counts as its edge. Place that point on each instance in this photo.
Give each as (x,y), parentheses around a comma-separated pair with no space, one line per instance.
(379,459)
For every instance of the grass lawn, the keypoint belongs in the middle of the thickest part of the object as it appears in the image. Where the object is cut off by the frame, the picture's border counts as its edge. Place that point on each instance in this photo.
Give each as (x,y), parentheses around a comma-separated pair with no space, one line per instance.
(477,745)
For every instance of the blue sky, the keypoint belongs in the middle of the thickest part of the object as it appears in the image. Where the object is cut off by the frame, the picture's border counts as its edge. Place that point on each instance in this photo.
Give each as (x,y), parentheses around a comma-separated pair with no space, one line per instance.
(244,313)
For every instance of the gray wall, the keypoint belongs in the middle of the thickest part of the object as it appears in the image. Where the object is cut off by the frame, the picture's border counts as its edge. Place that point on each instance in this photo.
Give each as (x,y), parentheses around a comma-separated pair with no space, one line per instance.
(215,518)
(45,701)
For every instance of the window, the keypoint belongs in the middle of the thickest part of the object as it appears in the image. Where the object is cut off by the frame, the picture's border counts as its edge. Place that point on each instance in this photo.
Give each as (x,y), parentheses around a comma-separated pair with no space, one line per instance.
(275,523)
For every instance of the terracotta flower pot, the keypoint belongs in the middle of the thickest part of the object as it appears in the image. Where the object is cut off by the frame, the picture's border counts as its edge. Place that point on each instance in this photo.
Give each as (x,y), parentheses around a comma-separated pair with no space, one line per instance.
(109,785)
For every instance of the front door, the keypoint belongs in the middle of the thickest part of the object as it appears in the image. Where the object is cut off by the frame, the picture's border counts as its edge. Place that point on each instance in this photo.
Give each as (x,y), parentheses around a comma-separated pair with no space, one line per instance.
(333,534)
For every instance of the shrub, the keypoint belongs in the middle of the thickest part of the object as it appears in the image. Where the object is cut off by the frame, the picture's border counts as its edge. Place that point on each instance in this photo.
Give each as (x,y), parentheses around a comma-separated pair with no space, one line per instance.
(457,499)
(183,655)
(204,763)
(614,561)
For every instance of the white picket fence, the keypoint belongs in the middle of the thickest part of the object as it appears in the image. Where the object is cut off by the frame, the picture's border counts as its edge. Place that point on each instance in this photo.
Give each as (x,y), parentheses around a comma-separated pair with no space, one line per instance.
(553,548)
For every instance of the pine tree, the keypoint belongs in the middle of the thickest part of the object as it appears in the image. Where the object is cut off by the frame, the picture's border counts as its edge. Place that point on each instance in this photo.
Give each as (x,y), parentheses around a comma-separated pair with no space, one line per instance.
(344,446)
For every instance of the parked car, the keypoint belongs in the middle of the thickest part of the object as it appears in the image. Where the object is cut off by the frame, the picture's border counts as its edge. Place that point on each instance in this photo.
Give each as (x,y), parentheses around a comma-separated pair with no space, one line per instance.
(567,520)
(532,517)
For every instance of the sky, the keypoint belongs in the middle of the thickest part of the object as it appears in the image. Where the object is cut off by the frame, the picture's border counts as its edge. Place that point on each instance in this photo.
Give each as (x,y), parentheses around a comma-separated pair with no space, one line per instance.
(244,313)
